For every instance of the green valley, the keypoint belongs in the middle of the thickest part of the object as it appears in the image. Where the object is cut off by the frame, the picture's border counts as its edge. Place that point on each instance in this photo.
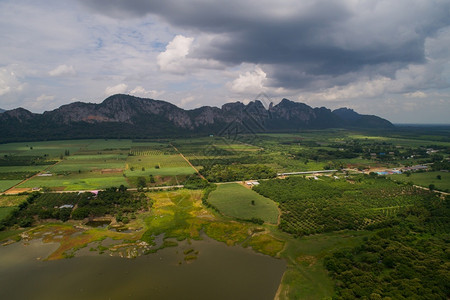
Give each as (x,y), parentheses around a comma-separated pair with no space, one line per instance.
(315,200)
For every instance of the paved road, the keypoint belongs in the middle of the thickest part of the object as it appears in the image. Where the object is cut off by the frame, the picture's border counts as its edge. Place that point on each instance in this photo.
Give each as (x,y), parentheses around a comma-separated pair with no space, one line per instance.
(130,189)
(306,172)
(425,188)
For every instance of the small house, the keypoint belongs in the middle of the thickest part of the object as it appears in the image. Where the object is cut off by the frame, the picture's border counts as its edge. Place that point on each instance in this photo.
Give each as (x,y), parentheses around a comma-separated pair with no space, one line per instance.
(66,206)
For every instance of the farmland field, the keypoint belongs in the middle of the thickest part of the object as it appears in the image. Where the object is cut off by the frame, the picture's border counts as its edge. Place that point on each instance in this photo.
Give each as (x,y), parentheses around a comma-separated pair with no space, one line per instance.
(84,165)
(6,184)
(76,182)
(21,169)
(330,229)
(49,149)
(89,164)
(426,178)
(5,211)
(157,164)
(12,200)
(236,201)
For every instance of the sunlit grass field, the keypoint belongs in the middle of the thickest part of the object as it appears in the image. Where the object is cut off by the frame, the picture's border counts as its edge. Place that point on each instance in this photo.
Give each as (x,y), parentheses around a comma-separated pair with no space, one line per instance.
(52,149)
(79,165)
(4,211)
(6,184)
(77,182)
(12,200)
(426,178)
(157,163)
(236,201)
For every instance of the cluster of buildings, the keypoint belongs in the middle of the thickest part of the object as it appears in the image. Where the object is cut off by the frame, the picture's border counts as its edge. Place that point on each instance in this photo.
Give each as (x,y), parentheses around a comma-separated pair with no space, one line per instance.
(404,169)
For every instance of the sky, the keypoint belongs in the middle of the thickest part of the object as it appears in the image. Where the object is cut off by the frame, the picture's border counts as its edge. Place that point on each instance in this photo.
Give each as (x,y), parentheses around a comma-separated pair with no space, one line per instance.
(388,58)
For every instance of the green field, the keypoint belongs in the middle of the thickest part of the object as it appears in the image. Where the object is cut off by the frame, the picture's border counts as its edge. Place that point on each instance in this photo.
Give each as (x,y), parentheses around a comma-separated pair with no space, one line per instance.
(12,200)
(426,178)
(33,169)
(89,164)
(99,157)
(75,182)
(51,149)
(107,144)
(6,184)
(79,165)
(306,277)
(4,211)
(156,162)
(236,201)
(174,171)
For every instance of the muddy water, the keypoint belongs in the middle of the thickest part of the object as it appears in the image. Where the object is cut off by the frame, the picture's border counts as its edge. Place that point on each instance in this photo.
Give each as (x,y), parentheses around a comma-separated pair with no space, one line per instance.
(219,272)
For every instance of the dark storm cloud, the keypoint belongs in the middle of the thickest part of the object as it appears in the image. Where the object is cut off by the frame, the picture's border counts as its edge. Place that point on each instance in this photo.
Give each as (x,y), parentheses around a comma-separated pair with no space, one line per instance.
(301,42)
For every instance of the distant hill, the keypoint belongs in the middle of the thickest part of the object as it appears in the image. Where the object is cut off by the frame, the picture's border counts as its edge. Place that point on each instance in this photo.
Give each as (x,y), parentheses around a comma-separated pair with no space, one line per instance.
(2,110)
(364,121)
(121,116)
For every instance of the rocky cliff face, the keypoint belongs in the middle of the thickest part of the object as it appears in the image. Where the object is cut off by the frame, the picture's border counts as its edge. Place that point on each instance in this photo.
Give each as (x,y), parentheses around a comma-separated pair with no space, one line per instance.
(289,110)
(352,118)
(119,109)
(20,115)
(130,116)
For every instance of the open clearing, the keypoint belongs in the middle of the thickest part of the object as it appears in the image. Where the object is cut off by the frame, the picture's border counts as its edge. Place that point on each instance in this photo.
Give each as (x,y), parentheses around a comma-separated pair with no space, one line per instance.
(6,184)
(4,211)
(236,201)
(12,200)
(157,164)
(426,178)
(73,183)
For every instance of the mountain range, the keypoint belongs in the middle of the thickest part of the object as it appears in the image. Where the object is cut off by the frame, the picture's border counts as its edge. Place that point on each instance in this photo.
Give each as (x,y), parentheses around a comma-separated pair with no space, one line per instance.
(121,116)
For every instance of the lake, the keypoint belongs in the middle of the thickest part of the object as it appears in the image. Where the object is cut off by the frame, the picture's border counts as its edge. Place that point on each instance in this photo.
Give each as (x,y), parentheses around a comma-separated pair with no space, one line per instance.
(219,272)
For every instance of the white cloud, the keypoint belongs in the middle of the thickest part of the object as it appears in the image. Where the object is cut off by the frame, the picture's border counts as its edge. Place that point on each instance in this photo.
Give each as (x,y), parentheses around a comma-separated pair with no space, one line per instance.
(172,59)
(45,98)
(251,82)
(140,91)
(4,82)
(63,70)
(116,89)
(9,82)
(175,59)
(416,94)
(361,89)
(186,100)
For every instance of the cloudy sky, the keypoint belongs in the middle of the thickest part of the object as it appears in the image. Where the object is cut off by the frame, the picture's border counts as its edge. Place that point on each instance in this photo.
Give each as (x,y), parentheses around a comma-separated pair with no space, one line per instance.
(390,58)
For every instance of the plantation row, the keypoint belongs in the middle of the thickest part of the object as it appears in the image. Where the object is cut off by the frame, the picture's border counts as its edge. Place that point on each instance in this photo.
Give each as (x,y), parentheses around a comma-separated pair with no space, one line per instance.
(145,152)
(315,206)
(224,173)
(229,160)
(165,149)
(158,164)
